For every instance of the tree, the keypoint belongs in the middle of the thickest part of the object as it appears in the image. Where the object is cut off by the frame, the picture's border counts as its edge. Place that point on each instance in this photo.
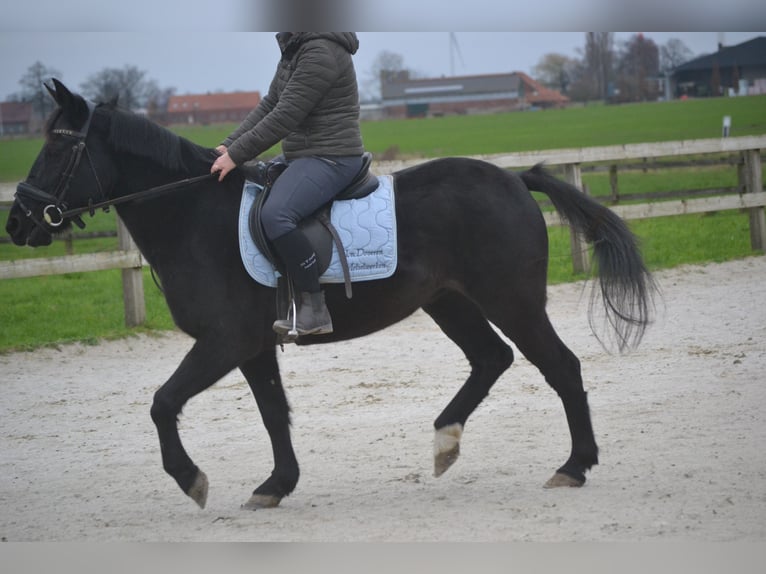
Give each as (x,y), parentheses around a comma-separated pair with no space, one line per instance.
(599,56)
(673,53)
(555,71)
(735,78)
(638,69)
(129,85)
(157,100)
(580,88)
(33,88)
(385,61)
(715,80)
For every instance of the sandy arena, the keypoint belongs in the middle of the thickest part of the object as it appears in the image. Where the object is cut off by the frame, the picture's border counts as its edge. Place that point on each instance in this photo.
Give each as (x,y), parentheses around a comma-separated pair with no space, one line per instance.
(681,424)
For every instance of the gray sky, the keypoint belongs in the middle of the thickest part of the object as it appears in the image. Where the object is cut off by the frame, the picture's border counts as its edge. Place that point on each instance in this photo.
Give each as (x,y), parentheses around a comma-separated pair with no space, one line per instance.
(229,61)
(198,47)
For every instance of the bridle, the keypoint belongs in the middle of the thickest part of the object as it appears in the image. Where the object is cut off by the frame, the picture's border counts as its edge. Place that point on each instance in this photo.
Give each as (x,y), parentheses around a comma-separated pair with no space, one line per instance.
(56,212)
(53,212)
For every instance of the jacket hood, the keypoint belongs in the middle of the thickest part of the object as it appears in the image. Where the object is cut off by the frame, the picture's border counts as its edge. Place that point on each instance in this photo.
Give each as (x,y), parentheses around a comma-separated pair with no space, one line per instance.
(348,40)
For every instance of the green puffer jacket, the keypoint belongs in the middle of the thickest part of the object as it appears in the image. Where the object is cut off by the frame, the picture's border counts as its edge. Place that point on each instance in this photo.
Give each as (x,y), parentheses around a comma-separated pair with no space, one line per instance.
(313,102)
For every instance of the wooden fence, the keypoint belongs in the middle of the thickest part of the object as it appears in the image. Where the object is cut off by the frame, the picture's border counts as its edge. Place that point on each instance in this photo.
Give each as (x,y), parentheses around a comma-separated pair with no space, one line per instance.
(752,198)
(749,170)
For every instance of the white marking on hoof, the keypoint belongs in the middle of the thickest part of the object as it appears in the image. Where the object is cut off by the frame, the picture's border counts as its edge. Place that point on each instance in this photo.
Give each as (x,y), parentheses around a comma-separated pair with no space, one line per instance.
(258,501)
(446,447)
(198,491)
(559,480)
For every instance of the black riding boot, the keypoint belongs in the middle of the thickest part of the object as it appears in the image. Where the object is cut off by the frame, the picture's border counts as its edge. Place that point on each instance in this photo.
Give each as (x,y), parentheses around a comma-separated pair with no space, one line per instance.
(312,317)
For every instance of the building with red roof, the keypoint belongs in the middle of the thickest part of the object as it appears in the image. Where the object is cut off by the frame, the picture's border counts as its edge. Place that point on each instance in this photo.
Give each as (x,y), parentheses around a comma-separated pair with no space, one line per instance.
(15,118)
(207,109)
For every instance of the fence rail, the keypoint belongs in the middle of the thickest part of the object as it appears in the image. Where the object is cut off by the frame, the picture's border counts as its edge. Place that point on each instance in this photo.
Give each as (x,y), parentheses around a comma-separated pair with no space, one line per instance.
(749,170)
(69,264)
(605,153)
(128,258)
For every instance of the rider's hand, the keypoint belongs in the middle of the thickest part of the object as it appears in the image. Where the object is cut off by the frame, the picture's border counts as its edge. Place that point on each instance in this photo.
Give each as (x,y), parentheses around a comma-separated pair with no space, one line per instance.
(223,165)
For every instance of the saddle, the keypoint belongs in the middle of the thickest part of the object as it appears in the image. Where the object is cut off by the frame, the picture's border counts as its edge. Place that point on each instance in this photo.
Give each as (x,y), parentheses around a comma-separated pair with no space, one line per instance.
(317,228)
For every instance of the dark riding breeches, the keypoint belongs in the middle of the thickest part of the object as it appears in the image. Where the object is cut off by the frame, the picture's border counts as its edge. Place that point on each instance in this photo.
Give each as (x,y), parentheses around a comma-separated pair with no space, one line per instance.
(307,184)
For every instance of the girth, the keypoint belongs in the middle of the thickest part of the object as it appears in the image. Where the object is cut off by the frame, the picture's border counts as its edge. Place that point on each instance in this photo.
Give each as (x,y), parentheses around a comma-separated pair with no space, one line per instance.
(317,228)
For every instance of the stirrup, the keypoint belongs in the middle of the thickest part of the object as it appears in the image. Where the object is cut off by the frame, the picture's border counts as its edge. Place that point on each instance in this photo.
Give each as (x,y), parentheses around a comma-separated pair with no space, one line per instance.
(314,317)
(292,318)
(293,332)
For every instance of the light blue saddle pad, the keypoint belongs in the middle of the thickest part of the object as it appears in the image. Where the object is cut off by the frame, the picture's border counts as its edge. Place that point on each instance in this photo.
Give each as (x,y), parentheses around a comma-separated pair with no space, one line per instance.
(366,226)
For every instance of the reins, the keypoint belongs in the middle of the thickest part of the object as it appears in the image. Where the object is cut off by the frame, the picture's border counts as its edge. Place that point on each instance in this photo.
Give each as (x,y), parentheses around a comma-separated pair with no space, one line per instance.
(152,191)
(55,216)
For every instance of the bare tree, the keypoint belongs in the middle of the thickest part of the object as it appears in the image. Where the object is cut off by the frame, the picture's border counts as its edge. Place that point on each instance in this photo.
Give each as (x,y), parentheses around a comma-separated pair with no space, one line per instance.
(638,69)
(33,88)
(673,53)
(580,88)
(715,80)
(129,85)
(555,71)
(599,56)
(157,100)
(384,62)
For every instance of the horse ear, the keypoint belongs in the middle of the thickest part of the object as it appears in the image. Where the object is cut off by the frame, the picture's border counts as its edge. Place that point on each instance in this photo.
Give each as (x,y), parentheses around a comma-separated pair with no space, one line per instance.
(73,106)
(61,94)
(51,91)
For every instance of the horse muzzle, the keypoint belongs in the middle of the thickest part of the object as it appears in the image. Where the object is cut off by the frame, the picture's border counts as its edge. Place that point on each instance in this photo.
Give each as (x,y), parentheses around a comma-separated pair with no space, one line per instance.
(23,231)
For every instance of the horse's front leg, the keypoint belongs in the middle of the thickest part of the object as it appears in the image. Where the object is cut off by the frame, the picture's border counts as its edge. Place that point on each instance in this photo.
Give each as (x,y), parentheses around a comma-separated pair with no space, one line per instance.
(205,364)
(262,374)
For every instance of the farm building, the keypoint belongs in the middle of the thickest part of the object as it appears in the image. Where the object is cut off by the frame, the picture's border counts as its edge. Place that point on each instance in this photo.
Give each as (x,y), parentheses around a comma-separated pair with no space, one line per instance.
(211,108)
(15,118)
(733,70)
(403,96)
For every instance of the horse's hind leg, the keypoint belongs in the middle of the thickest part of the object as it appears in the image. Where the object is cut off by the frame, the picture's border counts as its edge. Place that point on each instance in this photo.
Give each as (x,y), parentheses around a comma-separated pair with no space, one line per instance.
(262,374)
(536,339)
(462,321)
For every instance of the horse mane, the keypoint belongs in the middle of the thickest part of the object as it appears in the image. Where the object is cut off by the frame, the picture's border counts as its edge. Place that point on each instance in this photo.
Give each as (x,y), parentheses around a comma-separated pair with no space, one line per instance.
(139,136)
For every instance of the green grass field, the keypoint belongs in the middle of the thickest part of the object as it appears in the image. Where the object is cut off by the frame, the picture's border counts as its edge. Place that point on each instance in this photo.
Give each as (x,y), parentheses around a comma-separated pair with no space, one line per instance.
(593,125)
(88,306)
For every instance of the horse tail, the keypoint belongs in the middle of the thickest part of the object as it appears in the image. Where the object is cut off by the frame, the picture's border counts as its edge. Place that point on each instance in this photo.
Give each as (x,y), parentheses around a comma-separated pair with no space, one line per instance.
(626,286)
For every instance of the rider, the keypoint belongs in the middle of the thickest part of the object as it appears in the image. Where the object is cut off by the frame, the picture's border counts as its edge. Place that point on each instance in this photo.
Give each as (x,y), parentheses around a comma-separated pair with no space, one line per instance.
(312,107)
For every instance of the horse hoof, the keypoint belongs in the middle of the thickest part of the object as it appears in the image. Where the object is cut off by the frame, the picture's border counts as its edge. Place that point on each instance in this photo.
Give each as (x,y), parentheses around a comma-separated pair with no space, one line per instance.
(446,447)
(198,490)
(560,479)
(258,501)
(444,460)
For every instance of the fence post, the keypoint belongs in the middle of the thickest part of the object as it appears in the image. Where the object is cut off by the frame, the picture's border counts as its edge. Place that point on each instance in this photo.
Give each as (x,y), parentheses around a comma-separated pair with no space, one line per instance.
(132,282)
(580,255)
(613,183)
(753,184)
(741,179)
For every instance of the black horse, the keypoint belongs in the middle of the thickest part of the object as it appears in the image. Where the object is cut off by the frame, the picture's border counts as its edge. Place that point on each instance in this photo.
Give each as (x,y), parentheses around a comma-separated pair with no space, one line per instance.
(472,250)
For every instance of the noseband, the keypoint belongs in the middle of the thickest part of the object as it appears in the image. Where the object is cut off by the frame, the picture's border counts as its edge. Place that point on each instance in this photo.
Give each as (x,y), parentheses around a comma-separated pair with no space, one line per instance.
(54,213)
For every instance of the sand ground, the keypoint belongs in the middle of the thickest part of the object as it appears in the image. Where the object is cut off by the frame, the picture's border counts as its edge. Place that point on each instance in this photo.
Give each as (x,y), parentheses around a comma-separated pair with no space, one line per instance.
(681,424)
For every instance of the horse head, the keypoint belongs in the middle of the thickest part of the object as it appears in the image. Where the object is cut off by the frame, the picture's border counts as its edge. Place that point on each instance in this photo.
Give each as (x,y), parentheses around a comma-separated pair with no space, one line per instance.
(73,169)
